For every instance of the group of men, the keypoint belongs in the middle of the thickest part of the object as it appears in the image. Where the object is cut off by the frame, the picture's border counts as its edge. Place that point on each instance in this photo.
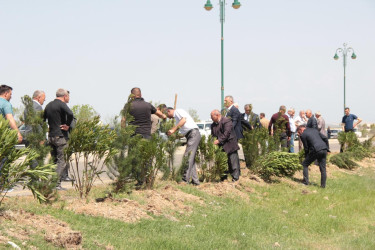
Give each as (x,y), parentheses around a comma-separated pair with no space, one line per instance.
(59,117)
(227,128)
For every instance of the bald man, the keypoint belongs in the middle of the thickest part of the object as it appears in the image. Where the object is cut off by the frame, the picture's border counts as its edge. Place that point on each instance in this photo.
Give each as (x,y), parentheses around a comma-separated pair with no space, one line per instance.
(222,129)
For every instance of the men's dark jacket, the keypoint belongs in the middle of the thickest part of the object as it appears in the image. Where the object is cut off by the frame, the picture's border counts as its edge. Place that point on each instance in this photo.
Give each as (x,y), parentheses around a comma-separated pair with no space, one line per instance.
(58,113)
(141,112)
(312,123)
(235,116)
(254,120)
(313,141)
(224,132)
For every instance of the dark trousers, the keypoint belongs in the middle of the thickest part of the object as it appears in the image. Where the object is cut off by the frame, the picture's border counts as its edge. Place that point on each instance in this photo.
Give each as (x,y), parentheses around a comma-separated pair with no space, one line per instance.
(234,165)
(58,145)
(283,141)
(321,156)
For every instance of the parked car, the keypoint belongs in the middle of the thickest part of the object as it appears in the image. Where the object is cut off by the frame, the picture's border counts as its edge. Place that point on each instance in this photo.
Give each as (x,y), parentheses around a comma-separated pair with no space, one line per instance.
(335,133)
(357,133)
(204,127)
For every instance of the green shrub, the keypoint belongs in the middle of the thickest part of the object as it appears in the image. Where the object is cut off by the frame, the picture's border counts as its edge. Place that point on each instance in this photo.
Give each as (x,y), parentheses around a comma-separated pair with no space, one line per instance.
(211,159)
(343,160)
(15,164)
(256,143)
(281,164)
(93,143)
(36,140)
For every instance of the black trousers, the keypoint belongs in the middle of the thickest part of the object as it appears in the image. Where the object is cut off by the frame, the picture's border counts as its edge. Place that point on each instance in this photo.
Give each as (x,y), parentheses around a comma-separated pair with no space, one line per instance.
(321,156)
(234,165)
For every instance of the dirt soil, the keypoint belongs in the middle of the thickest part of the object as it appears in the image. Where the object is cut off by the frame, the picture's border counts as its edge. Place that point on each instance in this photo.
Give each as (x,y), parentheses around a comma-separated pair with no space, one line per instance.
(23,225)
(168,202)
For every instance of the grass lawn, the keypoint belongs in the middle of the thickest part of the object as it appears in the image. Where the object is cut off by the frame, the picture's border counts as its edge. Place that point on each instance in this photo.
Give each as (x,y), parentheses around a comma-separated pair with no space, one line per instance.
(284,214)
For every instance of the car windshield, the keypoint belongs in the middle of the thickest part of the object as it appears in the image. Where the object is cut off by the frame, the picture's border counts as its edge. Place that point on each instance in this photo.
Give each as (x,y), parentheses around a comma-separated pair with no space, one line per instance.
(200,125)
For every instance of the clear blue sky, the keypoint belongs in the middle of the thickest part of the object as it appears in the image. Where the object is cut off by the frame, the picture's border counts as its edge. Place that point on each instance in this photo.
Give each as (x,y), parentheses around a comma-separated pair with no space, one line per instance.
(276,52)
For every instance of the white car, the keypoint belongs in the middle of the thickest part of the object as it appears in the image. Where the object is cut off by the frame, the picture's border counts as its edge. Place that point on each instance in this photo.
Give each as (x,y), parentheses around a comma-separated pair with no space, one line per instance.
(204,127)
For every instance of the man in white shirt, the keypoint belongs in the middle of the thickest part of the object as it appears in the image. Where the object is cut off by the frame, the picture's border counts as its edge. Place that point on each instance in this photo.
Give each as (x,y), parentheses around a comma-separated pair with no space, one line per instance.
(299,121)
(293,129)
(186,125)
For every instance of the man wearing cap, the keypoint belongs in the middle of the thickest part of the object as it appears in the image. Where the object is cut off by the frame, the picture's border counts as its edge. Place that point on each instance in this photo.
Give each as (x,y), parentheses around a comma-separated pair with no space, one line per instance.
(186,125)
(321,123)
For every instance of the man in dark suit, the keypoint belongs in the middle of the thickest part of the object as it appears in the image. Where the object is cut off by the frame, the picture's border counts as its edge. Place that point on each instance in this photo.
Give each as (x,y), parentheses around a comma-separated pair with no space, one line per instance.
(235,116)
(316,147)
(312,122)
(251,117)
(222,129)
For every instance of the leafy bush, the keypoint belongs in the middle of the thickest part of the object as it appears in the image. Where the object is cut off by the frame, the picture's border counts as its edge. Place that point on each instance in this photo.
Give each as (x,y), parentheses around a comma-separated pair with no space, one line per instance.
(256,143)
(353,149)
(15,164)
(277,163)
(139,160)
(211,159)
(36,140)
(343,160)
(93,143)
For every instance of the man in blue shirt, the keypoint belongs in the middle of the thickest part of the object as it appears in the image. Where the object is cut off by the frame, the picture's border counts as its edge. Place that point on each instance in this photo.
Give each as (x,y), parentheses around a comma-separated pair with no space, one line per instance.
(6,109)
(348,120)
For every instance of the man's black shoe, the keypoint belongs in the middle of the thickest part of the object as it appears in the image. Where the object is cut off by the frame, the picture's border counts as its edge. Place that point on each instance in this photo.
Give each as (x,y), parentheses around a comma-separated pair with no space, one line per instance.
(195,184)
(68,179)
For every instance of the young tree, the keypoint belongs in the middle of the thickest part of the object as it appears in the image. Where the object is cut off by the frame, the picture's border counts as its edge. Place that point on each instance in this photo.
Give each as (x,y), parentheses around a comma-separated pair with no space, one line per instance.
(92,143)
(15,164)
(84,112)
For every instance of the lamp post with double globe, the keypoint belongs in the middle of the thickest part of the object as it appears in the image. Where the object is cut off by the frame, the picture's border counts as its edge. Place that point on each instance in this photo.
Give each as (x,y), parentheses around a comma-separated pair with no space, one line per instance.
(208,6)
(344,51)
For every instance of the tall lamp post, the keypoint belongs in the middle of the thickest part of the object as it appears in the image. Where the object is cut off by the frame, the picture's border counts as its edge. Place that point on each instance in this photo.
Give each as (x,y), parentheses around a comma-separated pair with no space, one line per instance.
(344,51)
(208,6)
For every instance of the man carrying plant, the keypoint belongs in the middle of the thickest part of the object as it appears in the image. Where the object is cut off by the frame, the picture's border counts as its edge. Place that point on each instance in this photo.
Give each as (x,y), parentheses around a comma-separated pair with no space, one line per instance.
(186,126)
(59,115)
(222,129)
(316,147)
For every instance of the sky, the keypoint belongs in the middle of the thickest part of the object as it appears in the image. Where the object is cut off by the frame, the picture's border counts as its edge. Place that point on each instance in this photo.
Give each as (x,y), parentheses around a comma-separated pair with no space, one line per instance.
(276,52)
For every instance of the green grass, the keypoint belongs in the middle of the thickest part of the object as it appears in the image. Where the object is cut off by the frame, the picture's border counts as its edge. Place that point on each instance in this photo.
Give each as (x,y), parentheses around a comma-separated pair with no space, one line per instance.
(342,216)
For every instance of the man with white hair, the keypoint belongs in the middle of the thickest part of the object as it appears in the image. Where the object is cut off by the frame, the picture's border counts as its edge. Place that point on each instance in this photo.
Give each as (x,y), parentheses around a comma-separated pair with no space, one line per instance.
(38,99)
(293,129)
(59,116)
(321,123)
(235,116)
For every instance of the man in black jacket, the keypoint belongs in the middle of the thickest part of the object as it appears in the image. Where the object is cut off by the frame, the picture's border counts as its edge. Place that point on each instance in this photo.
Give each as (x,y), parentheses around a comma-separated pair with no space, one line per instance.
(234,115)
(316,147)
(312,122)
(59,118)
(222,129)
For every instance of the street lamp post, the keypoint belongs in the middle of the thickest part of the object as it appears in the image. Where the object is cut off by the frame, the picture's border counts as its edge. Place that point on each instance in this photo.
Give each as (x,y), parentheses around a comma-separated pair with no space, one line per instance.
(344,52)
(208,6)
